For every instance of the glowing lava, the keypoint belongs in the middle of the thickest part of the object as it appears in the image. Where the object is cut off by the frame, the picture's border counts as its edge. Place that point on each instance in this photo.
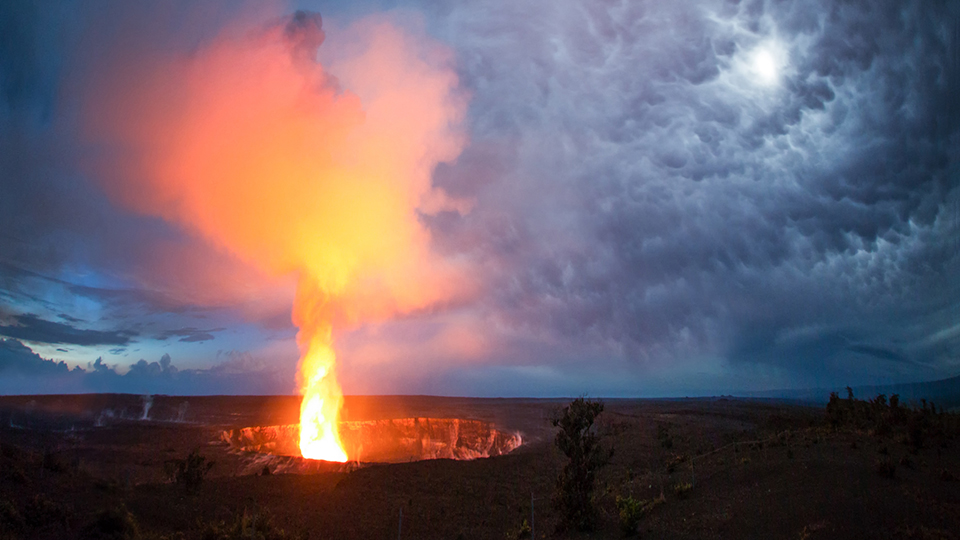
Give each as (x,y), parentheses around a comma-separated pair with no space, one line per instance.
(320,408)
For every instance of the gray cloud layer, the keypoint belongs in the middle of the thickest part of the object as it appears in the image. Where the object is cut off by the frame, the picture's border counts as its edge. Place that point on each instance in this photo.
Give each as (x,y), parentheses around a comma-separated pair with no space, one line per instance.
(659,202)
(24,372)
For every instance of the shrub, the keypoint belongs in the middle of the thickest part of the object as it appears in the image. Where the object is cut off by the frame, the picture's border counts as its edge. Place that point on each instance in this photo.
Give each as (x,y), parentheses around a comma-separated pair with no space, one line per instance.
(42,511)
(682,489)
(113,524)
(53,462)
(10,518)
(885,468)
(107,484)
(675,462)
(578,440)
(631,510)
(522,531)
(663,435)
(915,431)
(189,472)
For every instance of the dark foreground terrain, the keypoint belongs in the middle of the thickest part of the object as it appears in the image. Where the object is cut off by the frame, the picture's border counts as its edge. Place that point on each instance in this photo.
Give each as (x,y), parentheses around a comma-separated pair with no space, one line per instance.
(100,466)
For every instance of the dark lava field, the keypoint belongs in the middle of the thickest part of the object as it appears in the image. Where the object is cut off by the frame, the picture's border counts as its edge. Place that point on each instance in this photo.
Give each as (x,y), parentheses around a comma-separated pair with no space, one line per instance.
(103,466)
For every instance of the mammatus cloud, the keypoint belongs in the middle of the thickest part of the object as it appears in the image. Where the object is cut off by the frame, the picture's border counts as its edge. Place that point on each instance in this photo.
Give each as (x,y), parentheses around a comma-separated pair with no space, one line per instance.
(712,187)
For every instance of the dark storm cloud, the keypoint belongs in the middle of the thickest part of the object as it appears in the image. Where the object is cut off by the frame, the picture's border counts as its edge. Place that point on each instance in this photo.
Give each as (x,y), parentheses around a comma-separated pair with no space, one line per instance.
(15,357)
(879,352)
(31,328)
(24,286)
(196,337)
(666,204)
(189,334)
(29,61)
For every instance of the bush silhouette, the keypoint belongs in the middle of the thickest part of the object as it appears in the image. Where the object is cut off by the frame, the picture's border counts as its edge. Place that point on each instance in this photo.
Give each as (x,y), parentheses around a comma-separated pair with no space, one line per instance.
(189,472)
(113,524)
(886,468)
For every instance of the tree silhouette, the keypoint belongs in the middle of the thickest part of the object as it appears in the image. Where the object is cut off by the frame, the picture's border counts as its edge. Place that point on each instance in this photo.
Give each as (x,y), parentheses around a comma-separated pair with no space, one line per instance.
(579,441)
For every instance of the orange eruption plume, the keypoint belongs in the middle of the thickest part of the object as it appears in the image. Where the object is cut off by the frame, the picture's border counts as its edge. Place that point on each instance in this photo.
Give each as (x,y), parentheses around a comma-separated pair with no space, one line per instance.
(252,144)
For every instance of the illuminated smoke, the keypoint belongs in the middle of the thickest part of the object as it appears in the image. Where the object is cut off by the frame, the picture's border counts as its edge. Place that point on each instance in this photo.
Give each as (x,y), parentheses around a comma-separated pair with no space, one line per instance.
(256,146)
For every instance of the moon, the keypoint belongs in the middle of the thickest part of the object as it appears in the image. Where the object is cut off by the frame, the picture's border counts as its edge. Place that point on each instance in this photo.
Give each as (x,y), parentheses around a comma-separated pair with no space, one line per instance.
(766,64)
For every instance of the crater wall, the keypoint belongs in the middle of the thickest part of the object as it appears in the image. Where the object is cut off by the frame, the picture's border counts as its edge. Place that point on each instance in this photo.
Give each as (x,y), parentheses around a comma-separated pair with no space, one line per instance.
(388,441)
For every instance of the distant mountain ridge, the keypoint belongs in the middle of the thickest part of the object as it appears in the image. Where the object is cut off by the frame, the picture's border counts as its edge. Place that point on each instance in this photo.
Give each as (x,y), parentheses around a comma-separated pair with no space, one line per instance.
(944,392)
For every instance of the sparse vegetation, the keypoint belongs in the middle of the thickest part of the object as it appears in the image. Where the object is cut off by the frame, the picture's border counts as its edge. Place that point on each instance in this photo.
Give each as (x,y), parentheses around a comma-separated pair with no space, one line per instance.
(884,418)
(251,525)
(579,441)
(731,462)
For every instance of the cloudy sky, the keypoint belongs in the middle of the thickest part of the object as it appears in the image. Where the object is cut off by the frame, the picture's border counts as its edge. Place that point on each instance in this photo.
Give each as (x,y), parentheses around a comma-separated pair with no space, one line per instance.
(637,198)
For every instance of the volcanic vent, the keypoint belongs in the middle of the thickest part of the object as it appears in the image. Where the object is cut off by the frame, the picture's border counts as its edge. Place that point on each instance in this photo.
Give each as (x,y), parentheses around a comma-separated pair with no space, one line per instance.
(388,441)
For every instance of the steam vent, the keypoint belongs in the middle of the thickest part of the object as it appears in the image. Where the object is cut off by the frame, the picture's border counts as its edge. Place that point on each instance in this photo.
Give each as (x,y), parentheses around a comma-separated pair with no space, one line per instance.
(388,441)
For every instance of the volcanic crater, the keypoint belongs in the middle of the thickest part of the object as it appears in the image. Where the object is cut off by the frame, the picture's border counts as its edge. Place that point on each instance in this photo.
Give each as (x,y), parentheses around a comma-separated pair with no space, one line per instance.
(376,441)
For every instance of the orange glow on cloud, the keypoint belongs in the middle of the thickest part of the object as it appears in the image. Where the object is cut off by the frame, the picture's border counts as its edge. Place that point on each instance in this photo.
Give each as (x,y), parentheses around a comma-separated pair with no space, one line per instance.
(255,146)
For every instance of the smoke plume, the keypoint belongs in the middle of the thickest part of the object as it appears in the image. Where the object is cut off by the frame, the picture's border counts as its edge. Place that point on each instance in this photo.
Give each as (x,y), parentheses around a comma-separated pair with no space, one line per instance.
(293,166)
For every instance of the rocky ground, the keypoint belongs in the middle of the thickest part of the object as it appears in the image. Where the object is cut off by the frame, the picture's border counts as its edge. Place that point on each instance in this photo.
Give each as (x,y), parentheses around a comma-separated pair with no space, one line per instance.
(97,466)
